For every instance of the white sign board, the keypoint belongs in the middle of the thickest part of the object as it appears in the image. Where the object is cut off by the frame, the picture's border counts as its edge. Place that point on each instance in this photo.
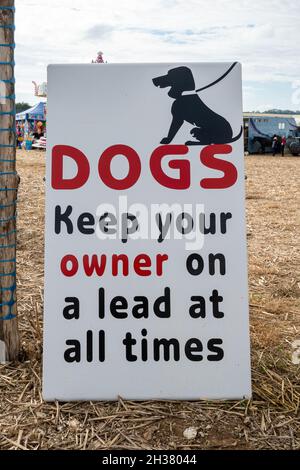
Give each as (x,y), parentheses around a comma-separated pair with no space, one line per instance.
(146,266)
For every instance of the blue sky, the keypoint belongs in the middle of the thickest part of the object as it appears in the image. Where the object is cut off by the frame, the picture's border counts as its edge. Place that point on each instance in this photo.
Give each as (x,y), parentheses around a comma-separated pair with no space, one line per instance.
(261,34)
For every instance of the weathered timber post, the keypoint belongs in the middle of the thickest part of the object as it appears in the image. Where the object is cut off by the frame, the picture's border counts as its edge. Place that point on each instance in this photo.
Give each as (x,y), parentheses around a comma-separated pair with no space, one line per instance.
(9,336)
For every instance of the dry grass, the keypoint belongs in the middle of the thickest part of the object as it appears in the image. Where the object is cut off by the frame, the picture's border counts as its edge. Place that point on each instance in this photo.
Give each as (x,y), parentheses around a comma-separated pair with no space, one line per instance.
(269,421)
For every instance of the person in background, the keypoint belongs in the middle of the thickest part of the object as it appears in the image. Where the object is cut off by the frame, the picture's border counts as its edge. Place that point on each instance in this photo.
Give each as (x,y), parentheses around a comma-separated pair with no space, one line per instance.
(39,130)
(19,137)
(274,144)
(283,143)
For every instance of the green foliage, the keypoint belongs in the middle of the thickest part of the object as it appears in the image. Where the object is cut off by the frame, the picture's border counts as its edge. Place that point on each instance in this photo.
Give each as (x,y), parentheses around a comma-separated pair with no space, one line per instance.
(281,111)
(276,111)
(22,107)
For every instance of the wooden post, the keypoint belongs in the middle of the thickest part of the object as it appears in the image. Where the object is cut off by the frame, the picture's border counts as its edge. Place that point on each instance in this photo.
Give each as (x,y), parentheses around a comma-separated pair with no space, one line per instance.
(9,336)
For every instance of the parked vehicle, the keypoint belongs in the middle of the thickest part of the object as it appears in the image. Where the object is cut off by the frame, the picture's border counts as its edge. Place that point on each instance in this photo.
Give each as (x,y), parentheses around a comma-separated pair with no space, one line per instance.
(259,130)
(293,142)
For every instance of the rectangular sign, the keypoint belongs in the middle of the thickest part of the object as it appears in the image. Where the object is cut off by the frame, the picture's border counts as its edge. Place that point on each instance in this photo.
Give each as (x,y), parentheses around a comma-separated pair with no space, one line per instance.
(145,263)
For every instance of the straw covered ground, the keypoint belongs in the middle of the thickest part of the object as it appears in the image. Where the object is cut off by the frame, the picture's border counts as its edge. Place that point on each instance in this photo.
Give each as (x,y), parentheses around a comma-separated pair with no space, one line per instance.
(271,420)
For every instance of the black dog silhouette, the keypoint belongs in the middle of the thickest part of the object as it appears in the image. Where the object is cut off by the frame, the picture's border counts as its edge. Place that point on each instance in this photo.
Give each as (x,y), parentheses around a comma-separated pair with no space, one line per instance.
(211,127)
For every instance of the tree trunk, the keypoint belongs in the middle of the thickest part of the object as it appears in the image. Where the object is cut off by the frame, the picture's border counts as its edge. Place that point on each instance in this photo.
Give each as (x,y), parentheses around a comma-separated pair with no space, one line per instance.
(9,336)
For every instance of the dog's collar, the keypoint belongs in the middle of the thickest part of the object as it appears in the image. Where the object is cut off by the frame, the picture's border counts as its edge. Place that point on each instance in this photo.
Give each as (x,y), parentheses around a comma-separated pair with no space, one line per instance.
(192,92)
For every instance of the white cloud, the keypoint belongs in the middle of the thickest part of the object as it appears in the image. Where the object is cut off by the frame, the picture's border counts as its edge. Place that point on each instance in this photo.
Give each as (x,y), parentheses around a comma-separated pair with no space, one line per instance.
(262,34)
(99,31)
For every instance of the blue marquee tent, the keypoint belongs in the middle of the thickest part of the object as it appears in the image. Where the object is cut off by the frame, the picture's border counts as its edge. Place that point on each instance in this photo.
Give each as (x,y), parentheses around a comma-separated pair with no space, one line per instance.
(37,112)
